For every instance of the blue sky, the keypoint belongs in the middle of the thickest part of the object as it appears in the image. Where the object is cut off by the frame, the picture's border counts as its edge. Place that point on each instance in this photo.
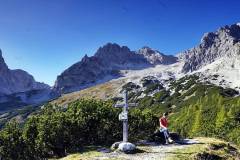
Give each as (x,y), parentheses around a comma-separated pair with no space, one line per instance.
(44,37)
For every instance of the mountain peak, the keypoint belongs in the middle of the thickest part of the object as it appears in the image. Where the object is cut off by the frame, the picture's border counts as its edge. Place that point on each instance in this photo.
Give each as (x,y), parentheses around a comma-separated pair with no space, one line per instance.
(111,48)
(3,65)
(114,54)
(13,81)
(146,47)
(214,45)
(85,58)
(147,51)
(156,57)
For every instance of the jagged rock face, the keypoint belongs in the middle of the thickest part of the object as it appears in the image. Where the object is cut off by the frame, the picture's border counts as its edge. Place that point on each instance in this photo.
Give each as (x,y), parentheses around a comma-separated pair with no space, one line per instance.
(13,81)
(225,42)
(89,70)
(114,55)
(106,64)
(3,66)
(155,57)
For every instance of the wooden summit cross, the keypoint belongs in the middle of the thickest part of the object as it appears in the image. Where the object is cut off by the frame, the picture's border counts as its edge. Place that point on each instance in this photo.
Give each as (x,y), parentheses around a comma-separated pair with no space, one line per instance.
(124,115)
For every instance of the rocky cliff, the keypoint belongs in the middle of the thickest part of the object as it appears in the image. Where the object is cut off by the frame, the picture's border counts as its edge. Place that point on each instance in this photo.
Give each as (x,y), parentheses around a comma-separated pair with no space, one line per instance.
(155,57)
(106,64)
(224,43)
(13,81)
(18,88)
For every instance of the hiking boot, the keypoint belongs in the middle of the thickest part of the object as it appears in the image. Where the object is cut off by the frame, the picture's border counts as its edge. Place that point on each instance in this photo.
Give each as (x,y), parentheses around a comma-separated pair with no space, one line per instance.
(170,140)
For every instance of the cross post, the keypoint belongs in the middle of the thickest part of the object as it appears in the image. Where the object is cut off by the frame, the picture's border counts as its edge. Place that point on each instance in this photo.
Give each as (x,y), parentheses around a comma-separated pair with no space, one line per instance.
(124,115)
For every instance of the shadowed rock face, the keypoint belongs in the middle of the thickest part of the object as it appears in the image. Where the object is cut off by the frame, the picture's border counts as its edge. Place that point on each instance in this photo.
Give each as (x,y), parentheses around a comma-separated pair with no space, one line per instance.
(13,81)
(3,66)
(105,65)
(225,42)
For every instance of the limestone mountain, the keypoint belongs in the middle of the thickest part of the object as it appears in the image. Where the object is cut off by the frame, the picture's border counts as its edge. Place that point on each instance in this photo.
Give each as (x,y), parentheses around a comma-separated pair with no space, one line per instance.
(216,60)
(14,81)
(106,64)
(224,43)
(155,57)
(18,88)
(217,54)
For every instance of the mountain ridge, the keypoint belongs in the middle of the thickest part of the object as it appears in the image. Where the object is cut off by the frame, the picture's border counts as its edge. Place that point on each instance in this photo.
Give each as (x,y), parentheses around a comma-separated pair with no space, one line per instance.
(225,42)
(17,80)
(108,61)
(18,88)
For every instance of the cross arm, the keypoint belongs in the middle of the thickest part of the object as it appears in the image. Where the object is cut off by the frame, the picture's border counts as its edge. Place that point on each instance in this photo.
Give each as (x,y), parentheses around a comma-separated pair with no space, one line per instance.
(132,104)
(119,105)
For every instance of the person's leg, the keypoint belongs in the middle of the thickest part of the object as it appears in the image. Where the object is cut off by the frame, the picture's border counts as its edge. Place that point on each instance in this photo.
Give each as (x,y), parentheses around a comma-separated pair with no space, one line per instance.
(169,138)
(165,134)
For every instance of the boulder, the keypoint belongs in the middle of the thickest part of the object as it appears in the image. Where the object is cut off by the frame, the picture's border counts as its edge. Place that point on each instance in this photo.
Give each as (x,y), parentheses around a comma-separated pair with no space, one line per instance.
(115,145)
(127,147)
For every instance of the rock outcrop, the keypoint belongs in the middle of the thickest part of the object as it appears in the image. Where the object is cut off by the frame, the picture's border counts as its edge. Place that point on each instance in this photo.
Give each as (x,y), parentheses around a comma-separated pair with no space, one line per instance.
(14,81)
(155,57)
(18,88)
(223,43)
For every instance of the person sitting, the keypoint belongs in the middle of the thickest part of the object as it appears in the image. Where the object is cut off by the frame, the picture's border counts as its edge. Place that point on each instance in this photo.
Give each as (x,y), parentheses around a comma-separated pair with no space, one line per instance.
(163,127)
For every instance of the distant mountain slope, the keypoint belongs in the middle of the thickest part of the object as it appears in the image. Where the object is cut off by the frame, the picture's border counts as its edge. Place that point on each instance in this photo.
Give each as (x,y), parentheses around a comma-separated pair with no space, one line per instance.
(217,54)
(18,88)
(225,42)
(155,57)
(106,65)
(13,81)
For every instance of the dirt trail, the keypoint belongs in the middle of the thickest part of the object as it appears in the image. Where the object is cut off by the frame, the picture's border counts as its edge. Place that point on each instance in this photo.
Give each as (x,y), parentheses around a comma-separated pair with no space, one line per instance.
(156,152)
(201,147)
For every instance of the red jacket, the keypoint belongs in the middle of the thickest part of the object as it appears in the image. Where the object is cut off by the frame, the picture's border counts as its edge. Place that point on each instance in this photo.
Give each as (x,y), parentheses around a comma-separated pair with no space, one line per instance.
(163,121)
